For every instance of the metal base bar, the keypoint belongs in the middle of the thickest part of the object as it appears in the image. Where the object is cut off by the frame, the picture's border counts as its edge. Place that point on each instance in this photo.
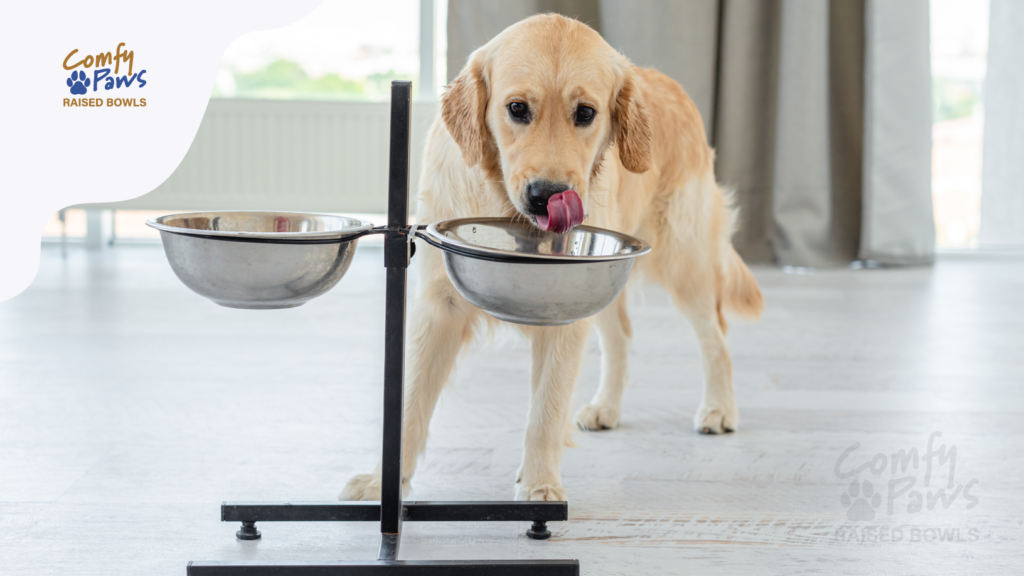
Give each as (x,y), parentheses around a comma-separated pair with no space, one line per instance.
(393,567)
(412,511)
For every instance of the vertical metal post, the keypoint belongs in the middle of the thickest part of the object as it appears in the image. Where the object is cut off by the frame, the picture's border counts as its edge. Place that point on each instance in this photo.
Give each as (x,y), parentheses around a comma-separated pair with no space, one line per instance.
(396,260)
(398,164)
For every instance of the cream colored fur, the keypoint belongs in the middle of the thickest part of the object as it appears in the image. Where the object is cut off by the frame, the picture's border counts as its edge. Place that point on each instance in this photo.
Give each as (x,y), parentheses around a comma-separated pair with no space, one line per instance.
(643,167)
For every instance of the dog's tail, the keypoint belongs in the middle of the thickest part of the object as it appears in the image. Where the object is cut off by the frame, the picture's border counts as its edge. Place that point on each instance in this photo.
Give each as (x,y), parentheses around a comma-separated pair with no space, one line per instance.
(740,293)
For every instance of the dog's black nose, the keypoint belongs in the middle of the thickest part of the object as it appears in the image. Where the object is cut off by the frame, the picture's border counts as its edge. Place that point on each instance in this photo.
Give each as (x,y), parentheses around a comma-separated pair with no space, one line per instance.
(538,193)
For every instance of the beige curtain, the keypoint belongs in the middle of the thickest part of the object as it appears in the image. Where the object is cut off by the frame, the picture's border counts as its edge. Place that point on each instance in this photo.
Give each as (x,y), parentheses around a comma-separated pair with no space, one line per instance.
(819,110)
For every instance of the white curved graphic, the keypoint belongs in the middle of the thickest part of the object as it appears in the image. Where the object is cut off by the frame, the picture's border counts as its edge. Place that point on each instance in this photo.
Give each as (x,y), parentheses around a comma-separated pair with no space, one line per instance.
(76,128)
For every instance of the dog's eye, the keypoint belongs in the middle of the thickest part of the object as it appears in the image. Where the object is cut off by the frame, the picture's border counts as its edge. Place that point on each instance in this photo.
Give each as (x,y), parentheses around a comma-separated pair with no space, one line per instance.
(519,111)
(584,115)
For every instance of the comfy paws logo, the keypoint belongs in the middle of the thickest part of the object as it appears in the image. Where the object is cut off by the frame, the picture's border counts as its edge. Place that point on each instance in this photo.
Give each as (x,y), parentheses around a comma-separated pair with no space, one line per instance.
(860,501)
(106,71)
(78,84)
(907,480)
(887,487)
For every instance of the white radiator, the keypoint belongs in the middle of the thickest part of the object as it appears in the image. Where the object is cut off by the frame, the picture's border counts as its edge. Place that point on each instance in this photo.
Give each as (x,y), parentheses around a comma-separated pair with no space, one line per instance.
(287,155)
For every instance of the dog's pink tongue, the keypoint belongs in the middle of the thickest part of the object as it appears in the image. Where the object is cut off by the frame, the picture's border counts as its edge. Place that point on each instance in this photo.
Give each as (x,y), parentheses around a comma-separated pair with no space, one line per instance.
(565,212)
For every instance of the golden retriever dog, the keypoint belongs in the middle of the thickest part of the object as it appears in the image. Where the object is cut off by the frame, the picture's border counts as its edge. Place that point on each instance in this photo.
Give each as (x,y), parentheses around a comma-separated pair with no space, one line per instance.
(544,107)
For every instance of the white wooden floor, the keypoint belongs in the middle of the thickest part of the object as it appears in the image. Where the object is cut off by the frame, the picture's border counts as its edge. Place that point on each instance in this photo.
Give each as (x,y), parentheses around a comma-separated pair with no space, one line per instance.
(130,408)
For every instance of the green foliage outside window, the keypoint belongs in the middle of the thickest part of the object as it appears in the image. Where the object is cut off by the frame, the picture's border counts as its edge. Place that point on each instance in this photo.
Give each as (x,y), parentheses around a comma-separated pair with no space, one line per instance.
(954,98)
(286,80)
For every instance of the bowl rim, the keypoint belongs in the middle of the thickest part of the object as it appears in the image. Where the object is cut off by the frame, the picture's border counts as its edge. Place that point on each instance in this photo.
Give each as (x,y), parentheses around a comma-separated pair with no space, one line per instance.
(363,226)
(467,249)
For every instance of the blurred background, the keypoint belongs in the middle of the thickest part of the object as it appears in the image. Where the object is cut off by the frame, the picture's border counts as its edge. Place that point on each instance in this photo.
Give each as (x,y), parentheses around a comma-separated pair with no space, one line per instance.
(297,117)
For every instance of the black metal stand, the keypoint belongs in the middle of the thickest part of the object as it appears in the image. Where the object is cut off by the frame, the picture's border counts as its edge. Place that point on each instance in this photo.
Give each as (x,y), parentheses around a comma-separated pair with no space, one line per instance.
(392,511)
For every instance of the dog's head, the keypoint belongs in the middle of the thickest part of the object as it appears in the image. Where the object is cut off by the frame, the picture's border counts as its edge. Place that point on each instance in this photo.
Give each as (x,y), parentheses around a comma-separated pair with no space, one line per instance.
(537,107)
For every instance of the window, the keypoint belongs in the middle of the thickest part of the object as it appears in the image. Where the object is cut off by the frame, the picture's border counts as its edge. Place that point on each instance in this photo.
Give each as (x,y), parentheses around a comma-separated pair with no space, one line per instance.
(959,37)
(343,50)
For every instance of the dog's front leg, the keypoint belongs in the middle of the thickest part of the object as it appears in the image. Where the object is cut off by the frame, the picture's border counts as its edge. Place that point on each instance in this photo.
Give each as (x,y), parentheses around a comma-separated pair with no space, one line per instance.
(557,353)
(602,413)
(442,324)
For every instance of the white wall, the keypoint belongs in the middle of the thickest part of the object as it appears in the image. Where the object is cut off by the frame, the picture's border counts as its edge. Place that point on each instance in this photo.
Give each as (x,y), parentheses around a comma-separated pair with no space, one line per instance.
(287,155)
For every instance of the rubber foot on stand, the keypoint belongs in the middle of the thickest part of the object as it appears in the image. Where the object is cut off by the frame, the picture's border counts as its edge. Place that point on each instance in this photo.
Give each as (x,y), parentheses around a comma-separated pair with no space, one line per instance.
(248,532)
(539,531)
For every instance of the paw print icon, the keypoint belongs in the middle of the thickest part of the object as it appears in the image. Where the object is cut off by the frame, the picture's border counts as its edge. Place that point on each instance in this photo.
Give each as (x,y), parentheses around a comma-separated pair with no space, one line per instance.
(78,82)
(860,500)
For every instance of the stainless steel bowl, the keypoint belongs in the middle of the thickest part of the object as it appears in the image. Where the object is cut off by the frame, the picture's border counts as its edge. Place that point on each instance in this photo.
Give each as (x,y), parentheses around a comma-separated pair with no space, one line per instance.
(520,274)
(259,260)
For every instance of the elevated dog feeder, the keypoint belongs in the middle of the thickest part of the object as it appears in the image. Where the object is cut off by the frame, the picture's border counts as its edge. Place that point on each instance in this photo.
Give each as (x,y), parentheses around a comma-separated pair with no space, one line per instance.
(514,272)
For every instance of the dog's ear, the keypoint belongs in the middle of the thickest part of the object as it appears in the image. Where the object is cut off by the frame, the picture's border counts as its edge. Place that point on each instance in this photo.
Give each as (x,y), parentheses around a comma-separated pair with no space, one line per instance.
(462,107)
(632,126)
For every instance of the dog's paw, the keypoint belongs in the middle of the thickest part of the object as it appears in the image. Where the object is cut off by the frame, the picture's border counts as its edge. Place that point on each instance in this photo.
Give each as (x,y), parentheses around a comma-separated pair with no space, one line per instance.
(540,492)
(361,487)
(597,417)
(367,487)
(716,419)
